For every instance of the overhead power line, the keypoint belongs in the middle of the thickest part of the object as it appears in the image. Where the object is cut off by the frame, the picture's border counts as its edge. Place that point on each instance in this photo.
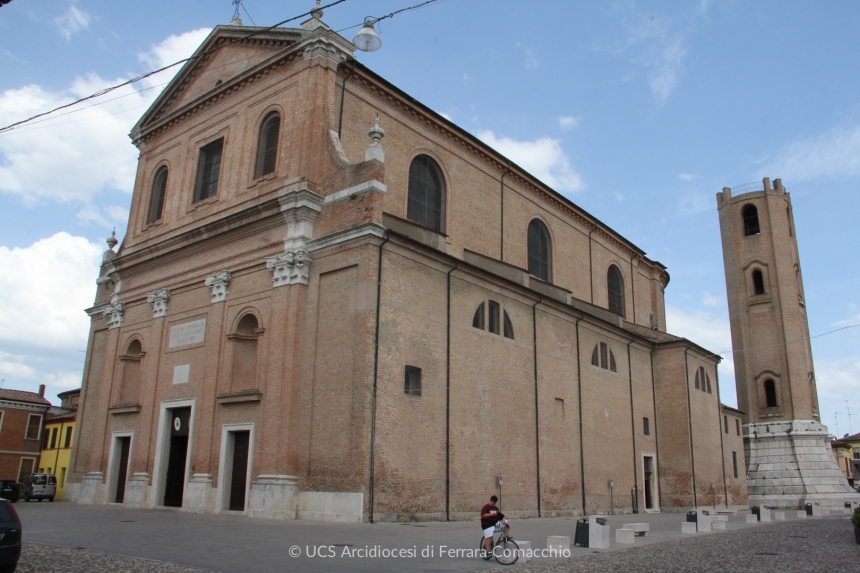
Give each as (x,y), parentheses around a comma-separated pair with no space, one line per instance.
(147,74)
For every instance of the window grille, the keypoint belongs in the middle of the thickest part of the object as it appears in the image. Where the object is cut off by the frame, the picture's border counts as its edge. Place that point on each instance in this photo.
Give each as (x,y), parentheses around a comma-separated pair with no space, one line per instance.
(412,382)
(208,170)
(539,250)
(426,193)
(494,317)
(602,357)
(156,199)
(509,327)
(616,290)
(267,147)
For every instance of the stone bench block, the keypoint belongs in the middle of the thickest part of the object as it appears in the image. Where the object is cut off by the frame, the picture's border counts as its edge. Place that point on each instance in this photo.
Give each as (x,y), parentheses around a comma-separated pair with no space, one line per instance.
(801,514)
(525,551)
(640,528)
(779,516)
(718,525)
(715,518)
(559,543)
(625,536)
(754,518)
(688,527)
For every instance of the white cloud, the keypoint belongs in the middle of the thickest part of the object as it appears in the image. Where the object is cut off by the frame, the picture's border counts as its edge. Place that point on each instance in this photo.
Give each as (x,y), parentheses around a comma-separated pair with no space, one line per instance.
(12,365)
(45,288)
(687,176)
(834,153)
(72,21)
(711,333)
(854,320)
(838,381)
(544,158)
(445,115)
(711,300)
(618,196)
(174,48)
(76,156)
(568,122)
(532,60)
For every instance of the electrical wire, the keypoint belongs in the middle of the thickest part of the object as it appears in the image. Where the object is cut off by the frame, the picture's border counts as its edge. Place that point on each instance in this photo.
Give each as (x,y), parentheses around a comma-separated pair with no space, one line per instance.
(147,74)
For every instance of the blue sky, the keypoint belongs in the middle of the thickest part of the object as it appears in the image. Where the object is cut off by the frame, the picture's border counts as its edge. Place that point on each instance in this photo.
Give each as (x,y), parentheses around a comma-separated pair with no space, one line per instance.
(638,111)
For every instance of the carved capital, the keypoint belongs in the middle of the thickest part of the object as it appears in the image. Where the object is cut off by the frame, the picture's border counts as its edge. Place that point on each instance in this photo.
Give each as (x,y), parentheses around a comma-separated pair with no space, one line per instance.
(218,284)
(290,267)
(158,299)
(113,313)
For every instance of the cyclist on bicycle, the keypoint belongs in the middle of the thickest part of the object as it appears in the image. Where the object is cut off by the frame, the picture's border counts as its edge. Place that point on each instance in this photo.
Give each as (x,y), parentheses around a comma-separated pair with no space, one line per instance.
(490,517)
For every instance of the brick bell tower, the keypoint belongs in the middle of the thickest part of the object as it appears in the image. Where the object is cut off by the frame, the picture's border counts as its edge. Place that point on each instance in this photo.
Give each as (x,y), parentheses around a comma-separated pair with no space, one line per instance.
(787,449)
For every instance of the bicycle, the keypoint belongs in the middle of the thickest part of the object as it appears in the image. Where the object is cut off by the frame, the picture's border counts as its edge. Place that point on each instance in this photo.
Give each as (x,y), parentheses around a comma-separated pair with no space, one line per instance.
(503,548)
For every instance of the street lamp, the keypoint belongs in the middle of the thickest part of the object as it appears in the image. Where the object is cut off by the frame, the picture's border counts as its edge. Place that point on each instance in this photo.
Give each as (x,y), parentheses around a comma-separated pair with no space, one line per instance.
(367,40)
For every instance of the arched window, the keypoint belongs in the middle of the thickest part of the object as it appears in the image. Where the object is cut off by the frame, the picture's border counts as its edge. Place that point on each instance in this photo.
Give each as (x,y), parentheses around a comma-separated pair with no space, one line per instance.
(616,290)
(156,198)
(426,204)
(602,357)
(267,147)
(698,377)
(130,372)
(703,381)
(498,321)
(758,282)
(540,250)
(243,374)
(750,215)
(770,393)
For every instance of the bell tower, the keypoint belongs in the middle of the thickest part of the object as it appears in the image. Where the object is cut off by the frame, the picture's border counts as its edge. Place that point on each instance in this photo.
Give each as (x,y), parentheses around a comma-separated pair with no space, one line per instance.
(774,370)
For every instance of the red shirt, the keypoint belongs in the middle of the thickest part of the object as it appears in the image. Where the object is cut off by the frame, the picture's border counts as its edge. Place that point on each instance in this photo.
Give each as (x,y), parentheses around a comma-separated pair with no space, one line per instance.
(490,521)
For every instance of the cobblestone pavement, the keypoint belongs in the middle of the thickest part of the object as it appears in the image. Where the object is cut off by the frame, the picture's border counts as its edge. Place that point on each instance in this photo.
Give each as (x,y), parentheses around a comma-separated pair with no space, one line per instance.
(38,558)
(809,546)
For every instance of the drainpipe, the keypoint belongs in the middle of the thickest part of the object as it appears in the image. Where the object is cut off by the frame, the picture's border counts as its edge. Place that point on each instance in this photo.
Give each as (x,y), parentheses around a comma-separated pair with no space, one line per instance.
(375,370)
(537,417)
(581,441)
(590,265)
(502,218)
(342,94)
(633,289)
(722,430)
(690,420)
(633,428)
(448,405)
(656,435)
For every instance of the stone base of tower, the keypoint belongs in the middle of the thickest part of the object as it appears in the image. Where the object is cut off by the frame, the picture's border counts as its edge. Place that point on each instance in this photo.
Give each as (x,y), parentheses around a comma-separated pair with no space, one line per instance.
(790,464)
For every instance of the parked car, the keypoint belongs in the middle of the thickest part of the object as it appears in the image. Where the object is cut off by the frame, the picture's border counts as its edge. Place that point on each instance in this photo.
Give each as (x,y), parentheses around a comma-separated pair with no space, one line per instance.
(10,537)
(39,486)
(10,489)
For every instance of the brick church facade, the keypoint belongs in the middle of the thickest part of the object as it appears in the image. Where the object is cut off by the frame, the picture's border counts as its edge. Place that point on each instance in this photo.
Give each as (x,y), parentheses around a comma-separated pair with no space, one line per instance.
(332,303)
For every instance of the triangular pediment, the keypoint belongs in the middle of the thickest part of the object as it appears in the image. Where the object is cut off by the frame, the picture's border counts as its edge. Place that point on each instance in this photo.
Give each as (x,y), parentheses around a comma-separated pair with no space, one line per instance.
(228,52)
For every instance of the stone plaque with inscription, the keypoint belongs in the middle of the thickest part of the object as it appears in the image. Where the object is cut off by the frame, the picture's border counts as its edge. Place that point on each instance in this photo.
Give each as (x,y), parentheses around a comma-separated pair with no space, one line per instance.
(187,333)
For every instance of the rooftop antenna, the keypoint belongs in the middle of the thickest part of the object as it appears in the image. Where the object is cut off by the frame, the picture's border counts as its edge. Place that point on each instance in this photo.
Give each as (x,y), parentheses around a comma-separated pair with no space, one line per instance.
(236,21)
(836,418)
(850,428)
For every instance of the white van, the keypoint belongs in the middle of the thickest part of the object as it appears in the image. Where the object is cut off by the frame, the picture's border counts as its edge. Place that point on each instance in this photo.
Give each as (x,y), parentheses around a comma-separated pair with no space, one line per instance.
(39,486)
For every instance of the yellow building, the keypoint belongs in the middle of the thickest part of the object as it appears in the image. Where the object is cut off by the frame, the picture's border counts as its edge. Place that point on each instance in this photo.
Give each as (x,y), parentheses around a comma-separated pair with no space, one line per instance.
(57,440)
(847,452)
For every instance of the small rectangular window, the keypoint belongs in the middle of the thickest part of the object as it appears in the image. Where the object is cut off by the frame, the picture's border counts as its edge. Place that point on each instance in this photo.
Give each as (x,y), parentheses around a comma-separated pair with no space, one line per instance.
(26,468)
(412,383)
(726,423)
(495,311)
(735,463)
(208,170)
(646,426)
(53,438)
(738,426)
(34,424)
(68,442)
(559,409)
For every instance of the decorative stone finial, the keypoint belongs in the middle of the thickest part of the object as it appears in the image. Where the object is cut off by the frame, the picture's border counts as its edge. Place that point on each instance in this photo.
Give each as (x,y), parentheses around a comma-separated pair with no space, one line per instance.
(317,12)
(236,22)
(111,241)
(375,151)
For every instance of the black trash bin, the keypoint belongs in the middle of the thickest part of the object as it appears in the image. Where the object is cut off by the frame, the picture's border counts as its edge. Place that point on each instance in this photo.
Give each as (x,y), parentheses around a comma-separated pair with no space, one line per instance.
(581,536)
(809,509)
(692,517)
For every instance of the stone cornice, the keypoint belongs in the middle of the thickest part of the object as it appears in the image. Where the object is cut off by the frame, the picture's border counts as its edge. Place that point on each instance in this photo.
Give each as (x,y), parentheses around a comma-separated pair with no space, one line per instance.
(417,111)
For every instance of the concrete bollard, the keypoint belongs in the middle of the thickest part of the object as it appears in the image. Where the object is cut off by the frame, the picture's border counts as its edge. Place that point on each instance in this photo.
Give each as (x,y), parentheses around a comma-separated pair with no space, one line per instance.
(598,535)
(703,522)
(765,514)
(752,518)
(779,516)
(525,551)
(801,514)
(559,543)
(688,527)
(625,536)
(715,525)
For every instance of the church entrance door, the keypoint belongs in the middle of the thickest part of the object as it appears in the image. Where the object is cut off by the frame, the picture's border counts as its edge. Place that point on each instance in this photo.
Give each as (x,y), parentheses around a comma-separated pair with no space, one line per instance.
(175,483)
